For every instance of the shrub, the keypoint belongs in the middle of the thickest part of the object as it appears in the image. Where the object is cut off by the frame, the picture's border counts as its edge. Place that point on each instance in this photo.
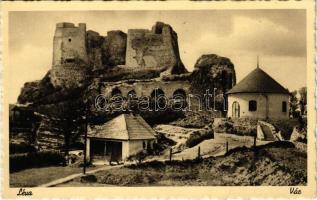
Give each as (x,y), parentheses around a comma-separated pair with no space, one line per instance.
(35,159)
(140,156)
(285,126)
(21,148)
(194,119)
(244,126)
(198,136)
(88,179)
(222,125)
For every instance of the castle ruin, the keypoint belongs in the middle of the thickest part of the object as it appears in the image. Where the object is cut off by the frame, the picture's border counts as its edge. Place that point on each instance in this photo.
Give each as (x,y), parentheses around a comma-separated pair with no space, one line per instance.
(77,51)
(139,63)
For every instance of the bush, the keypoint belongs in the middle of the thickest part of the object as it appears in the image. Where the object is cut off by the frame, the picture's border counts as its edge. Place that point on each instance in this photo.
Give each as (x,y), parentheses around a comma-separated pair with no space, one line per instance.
(20,148)
(195,119)
(198,136)
(285,126)
(35,159)
(222,125)
(88,179)
(244,126)
(139,156)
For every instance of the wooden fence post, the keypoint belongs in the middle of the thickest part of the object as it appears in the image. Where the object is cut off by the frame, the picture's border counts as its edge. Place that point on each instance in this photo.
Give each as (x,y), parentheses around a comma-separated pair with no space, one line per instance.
(170,154)
(198,156)
(254,141)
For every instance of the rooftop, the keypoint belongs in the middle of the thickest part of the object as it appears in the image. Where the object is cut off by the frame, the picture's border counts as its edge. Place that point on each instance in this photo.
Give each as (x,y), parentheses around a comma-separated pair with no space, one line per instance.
(123,127)
(258,81)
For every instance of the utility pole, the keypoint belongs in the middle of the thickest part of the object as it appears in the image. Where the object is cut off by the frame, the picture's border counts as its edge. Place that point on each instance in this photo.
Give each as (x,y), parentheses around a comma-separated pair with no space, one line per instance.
(85,142)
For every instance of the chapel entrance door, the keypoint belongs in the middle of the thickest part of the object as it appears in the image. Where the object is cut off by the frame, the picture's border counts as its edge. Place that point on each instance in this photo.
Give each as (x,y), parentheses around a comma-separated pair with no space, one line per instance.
(235,110)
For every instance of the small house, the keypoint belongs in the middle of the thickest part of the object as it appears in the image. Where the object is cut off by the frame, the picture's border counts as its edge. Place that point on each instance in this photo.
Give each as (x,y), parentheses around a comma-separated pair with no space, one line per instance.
(119,138)
(258,95)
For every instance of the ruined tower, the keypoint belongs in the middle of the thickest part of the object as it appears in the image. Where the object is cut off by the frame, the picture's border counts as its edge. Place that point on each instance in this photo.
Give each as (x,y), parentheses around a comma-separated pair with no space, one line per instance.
(69,43)
(70,58)
(153,49)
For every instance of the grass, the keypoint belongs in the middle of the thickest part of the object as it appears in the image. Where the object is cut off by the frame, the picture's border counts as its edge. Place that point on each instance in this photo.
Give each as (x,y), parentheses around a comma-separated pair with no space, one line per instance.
(37,176)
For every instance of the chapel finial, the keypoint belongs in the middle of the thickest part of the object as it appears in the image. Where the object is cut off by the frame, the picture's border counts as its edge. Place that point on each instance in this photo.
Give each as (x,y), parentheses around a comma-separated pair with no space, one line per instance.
(257,62)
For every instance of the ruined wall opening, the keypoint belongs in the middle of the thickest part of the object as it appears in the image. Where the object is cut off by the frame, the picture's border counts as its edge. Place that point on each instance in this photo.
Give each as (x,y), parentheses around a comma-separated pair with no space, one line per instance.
(179,97)
(70,60)
(131,94)
(158,98)
(116,98)
(116,92)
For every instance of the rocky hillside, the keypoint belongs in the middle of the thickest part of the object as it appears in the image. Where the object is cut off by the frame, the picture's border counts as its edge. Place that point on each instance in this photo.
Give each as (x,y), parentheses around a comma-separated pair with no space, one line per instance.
(274,164)
(213,71)
(70,87)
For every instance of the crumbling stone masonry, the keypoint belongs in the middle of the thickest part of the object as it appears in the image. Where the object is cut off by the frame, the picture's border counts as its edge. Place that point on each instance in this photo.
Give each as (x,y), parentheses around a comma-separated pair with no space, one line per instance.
(156,48)
(140,49)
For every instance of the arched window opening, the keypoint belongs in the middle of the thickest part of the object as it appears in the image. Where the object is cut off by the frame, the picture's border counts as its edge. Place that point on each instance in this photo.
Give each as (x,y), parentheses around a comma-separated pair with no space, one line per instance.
(116,97)
(131,95)
(235,110)
(179,98)
(158,98)
(116,92)
(252,105)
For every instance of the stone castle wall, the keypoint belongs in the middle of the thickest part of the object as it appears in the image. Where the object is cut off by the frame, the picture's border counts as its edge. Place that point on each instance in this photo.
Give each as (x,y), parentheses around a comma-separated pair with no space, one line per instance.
(104,52)
(69,55)
(69,43)
(68,75)
(115,47)
(152,49)
(145,88)
(140,49)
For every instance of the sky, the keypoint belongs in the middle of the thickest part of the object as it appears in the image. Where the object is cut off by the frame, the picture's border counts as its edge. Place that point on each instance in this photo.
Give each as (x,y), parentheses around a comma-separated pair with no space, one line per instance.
(278,37)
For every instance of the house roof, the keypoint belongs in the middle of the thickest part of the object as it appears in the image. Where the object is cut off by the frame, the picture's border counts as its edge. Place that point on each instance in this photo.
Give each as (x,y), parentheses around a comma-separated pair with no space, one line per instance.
(258,81)
(123,127)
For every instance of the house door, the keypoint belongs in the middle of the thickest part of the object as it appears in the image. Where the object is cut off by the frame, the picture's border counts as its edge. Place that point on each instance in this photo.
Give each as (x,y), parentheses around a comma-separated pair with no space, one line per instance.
(97,149)
(235,110)
(114,150)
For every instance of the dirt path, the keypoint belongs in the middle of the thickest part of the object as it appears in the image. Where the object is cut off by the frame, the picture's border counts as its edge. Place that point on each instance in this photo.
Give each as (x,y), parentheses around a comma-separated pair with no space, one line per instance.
(212,147)
(217,146)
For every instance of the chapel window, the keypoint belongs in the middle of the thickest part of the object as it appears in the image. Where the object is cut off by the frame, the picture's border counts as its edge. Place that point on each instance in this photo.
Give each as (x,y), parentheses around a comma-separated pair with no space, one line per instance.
(252,105)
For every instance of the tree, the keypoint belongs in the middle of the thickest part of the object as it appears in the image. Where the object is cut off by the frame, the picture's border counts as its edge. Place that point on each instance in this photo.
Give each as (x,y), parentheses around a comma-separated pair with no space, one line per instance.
(293,103)
(303,99)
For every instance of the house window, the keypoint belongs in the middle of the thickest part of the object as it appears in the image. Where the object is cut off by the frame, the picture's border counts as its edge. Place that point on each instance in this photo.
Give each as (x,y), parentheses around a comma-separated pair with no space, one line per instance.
(144,145)
(252,105)
(284,106)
